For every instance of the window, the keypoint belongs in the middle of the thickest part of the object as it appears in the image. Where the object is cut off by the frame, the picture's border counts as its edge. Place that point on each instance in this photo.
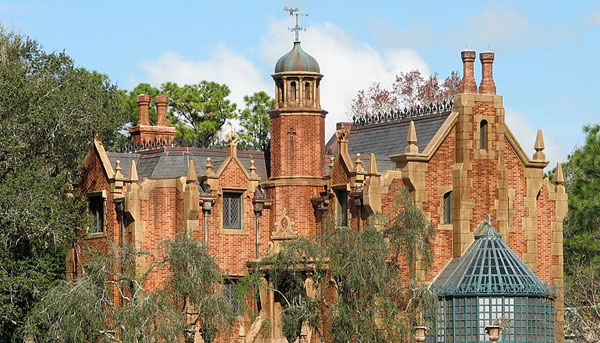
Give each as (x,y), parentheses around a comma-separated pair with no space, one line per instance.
(307,91)
(232,210)
(483,128)
(293,91)
(342,207)
(96,207)
(448,208)
(229,290)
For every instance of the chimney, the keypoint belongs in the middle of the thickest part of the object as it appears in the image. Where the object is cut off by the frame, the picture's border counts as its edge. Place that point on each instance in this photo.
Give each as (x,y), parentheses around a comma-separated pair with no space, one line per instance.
(468,84)
(161,109)
(487,85)
(143,101)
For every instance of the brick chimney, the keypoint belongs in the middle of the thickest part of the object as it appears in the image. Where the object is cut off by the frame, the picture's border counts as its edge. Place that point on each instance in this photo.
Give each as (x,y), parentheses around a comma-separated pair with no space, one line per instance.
(143,101)
(144,136)
(161,109)
(487,85)
(468,84)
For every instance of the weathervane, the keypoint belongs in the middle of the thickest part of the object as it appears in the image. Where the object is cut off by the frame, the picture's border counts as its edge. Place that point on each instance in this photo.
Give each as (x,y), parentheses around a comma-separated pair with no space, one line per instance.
(296,29)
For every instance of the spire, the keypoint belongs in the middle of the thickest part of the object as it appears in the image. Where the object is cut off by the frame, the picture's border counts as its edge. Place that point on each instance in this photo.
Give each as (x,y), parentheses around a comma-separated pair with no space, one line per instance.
(133,175)
(191,174)
(118,171)
(209,167)
(539,147)
(372,165)
(411,139)
(559,177)
(358,162)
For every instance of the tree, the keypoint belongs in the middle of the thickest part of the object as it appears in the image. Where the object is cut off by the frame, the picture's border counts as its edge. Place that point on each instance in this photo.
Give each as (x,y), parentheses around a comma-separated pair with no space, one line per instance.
(49,110)
(110,303)
(371,302)
(408,90)
(256,122)
(199,111)
(581,233)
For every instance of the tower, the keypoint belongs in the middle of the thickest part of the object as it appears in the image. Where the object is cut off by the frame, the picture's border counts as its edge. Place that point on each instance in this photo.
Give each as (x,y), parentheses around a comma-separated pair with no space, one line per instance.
(297,138)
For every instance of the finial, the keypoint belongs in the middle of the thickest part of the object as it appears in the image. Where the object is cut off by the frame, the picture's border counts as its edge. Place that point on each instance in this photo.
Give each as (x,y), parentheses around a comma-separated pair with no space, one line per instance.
(191,174)
(296,29)
(539,146)
(252,165)
(209,167)
(133,175)
(359,167)
(118,171)
(372,165)
(232,140)
(331,161)
(252,168)
(411,139)
(559,177)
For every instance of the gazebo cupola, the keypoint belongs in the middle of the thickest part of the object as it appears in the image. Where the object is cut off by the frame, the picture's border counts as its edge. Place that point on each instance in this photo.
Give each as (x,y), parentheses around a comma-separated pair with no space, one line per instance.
(490,285)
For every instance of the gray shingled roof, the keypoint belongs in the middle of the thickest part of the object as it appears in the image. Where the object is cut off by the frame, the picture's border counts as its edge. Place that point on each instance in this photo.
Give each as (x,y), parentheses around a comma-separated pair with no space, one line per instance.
(389,138)
(170,163)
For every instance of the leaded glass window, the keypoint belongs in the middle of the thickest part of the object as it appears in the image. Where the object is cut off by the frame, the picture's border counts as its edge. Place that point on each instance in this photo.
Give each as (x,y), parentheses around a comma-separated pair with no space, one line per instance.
(232,210)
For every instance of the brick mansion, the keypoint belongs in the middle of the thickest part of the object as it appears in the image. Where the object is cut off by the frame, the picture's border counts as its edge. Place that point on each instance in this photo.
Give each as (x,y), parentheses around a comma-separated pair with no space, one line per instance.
(498,247)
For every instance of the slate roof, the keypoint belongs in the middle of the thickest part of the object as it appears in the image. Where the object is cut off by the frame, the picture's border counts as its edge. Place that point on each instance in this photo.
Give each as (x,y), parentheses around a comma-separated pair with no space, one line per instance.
(389,138)
(172,162)
(488,267)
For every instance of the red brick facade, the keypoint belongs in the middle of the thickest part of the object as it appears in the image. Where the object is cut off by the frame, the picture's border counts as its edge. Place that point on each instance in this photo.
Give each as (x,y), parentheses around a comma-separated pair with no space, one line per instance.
(498,179)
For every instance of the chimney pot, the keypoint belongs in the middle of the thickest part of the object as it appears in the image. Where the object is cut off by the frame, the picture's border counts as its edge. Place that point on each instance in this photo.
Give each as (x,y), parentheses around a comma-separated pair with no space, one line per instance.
(468,84)
(143,101)
(161,102)
(487,85)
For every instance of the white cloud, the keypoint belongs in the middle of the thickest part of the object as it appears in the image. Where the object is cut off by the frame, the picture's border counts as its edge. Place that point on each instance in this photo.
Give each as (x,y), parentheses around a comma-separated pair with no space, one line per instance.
(501,27)
(593,18)
(348,65)
(525,134)
(224,66)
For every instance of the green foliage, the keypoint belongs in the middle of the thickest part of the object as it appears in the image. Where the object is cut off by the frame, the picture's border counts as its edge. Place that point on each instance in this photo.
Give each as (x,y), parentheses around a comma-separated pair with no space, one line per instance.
(110,303)
(582,181)
(372,303)
(49,110)
(199,111)
(256,122)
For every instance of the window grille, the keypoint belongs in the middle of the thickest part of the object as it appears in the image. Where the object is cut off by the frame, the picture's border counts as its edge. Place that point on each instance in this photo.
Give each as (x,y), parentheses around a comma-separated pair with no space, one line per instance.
(232,210)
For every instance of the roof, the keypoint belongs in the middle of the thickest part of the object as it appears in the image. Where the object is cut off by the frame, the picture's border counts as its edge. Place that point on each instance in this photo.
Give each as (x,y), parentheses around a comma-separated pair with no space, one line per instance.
(389,138)
(172,162)
(488,267)
(297,60)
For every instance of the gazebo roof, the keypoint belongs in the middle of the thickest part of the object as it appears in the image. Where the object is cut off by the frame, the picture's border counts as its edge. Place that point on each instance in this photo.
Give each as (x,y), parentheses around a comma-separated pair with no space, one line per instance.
(488,267)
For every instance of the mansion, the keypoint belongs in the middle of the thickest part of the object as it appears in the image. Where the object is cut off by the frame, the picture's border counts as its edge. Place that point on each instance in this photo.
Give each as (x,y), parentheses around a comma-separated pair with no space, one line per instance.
(498,248)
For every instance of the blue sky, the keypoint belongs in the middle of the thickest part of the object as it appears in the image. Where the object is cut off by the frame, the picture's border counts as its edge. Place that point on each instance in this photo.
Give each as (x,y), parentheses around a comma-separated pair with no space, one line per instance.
(547,52)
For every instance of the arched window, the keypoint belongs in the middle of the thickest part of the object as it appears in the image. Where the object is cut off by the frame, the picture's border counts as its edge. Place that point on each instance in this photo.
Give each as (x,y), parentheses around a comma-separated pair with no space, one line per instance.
(280,87)
(307,91)
(293,91)
(448,208)
(483,128)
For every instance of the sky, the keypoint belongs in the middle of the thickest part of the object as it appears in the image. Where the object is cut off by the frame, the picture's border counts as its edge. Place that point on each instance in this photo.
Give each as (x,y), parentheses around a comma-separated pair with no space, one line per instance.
(546,68)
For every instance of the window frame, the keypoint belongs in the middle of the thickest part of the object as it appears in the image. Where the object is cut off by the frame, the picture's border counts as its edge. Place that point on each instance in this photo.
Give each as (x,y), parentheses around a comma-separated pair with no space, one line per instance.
(240,209)
(341,196)
(96,229)
(483,134)
(447,205)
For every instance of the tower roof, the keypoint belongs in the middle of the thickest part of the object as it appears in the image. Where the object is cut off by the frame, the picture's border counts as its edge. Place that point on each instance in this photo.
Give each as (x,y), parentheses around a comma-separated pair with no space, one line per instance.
(297,60)
(488,267)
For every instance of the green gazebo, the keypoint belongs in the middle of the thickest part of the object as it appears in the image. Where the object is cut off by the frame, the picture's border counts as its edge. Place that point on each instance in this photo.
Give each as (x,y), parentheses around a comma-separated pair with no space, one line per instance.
(490,285)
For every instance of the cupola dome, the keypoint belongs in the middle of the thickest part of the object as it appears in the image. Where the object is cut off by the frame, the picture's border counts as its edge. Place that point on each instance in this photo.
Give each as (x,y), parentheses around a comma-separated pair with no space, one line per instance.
(297,60)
